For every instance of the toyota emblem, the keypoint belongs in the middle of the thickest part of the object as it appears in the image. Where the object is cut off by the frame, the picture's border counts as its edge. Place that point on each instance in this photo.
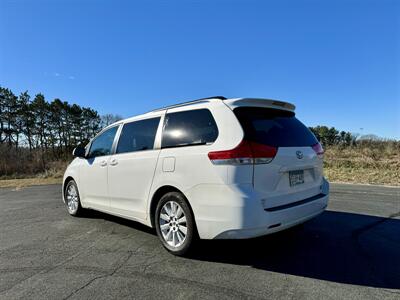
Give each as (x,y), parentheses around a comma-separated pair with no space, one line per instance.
(299,154)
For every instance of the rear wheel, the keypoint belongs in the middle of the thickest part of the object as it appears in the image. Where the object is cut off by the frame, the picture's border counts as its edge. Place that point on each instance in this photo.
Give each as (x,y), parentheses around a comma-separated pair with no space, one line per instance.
(175,223)
(72,199)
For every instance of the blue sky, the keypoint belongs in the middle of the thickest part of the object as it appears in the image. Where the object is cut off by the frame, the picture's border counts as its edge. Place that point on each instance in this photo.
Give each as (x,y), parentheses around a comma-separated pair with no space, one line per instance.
(338,61)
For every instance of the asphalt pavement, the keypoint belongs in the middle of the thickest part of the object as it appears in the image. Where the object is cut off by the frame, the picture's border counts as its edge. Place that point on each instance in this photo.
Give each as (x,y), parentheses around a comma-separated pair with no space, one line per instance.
(351,251)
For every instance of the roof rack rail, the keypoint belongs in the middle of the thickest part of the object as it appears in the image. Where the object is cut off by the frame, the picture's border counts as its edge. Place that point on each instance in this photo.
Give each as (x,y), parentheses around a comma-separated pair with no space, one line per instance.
(189,102)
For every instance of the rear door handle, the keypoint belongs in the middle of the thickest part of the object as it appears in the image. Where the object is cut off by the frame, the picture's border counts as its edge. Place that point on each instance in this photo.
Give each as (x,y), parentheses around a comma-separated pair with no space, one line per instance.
(113,162)
(103,163)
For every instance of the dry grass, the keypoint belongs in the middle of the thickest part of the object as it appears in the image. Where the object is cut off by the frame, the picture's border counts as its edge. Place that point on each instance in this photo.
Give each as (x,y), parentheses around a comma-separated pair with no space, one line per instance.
(365,163)
(21,183)
(53,175)
(368,163)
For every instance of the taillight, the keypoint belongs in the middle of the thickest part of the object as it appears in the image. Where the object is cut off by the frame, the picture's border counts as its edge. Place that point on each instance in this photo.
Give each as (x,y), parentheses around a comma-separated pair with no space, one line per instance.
(245,153)
(319,150)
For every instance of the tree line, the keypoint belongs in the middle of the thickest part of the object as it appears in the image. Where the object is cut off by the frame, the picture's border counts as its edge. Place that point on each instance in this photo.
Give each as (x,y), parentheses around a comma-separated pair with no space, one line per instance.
(60,126)
(330,136)
(55,126)
(35,132)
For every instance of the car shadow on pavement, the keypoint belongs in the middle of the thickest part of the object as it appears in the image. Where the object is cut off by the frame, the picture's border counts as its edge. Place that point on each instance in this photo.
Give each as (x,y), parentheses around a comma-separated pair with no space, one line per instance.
(336,246)
(93,214)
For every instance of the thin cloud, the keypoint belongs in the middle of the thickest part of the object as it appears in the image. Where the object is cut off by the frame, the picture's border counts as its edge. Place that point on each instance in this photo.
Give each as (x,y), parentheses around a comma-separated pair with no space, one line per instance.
(71,77)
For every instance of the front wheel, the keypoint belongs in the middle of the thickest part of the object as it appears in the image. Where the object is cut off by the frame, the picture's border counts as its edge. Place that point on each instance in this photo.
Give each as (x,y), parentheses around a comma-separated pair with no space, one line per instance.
(175,223)
(72,200)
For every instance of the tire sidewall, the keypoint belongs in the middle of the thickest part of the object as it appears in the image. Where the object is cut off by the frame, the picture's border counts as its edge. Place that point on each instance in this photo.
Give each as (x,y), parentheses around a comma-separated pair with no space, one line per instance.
(77,212)
(190,236)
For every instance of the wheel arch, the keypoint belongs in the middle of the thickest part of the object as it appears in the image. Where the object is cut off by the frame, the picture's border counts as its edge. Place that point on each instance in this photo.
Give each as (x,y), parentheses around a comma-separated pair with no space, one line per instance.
(161,191)
(68,179)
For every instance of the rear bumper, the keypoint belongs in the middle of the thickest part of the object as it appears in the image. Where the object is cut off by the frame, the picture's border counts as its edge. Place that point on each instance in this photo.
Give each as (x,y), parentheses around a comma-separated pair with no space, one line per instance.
(236,212)
(279,220)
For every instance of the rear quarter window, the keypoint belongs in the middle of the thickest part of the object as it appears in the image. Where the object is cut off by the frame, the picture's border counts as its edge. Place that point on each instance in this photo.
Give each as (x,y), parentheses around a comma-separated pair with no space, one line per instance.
(274,127)
(188,128)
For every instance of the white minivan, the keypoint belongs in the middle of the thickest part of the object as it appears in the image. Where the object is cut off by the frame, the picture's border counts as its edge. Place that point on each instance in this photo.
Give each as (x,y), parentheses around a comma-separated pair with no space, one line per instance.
(213,168)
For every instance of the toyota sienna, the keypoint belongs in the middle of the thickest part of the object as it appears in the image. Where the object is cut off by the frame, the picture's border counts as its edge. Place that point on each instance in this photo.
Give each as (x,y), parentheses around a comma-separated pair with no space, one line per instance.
(213,168)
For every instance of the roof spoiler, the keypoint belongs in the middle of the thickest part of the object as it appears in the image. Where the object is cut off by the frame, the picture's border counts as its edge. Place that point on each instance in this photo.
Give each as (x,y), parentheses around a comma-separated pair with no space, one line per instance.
(259,102)
(278,104)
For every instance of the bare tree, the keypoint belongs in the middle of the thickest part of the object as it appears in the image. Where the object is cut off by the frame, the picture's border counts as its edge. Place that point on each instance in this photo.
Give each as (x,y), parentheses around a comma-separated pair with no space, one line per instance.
(108,119)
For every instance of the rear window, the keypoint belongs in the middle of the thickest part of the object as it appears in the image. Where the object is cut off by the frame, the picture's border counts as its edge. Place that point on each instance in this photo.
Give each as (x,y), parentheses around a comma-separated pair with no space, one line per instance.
(274,127)
(188,128)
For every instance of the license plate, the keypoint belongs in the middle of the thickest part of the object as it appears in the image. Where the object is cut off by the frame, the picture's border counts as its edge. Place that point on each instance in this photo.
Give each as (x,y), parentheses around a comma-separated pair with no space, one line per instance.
(296,177)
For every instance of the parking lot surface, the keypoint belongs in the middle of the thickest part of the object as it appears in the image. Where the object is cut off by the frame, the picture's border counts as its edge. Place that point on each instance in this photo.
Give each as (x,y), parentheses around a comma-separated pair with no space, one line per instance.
(351,251)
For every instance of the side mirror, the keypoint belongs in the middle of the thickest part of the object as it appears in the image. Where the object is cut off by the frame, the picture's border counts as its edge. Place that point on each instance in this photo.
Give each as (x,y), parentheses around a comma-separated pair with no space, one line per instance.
(79,152)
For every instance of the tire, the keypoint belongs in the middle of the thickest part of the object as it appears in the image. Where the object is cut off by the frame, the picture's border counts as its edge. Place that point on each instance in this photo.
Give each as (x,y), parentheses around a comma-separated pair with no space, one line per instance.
(175,224)
(72,199)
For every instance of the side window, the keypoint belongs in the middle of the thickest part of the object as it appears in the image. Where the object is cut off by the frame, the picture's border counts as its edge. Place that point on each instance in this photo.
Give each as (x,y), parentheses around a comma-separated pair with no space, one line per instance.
(138,136)
(192,127)
(102,144)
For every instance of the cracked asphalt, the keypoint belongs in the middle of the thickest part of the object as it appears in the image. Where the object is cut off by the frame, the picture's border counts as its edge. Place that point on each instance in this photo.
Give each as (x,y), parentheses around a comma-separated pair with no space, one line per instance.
(352,251)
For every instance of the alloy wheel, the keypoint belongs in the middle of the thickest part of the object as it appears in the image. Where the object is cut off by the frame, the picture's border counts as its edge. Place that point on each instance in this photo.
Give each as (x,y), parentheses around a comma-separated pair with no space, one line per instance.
(173,224)
(72,198)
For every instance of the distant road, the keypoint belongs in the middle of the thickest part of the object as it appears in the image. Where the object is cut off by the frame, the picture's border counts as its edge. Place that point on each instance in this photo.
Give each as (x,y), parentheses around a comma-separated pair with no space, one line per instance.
(352,251)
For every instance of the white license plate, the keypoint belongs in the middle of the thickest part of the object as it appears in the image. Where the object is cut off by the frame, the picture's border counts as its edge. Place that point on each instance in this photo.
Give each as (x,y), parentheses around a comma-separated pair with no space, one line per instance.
(296,177)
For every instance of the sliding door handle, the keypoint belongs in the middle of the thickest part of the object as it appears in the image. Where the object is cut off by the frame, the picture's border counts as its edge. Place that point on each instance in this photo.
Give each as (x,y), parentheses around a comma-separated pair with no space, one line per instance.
(114,162)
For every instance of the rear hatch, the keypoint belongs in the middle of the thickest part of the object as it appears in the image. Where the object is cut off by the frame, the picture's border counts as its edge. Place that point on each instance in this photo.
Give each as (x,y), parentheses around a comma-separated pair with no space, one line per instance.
(295,172)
